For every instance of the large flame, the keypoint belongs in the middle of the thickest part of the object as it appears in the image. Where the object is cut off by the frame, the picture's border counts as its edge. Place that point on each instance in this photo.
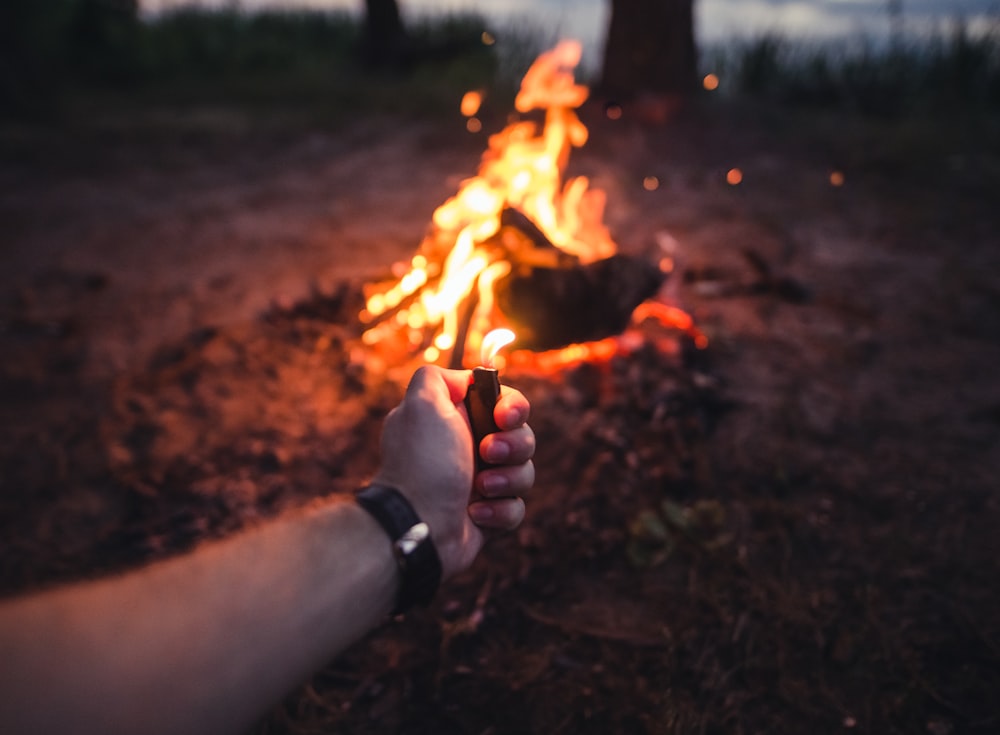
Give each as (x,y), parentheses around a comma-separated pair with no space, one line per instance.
(522,169)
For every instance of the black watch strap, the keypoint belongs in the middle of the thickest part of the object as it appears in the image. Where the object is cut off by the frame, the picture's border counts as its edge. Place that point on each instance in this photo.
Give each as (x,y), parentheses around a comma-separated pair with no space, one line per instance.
(412,545)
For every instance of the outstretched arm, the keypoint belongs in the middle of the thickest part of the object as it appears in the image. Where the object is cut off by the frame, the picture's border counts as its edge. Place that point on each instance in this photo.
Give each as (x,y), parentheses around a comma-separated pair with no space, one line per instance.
(199,643)
(205,643)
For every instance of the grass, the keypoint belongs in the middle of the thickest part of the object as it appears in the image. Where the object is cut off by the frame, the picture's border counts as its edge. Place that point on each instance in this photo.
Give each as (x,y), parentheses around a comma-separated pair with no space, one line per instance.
(192,42)
(930,74)
(303,59)
(63,56)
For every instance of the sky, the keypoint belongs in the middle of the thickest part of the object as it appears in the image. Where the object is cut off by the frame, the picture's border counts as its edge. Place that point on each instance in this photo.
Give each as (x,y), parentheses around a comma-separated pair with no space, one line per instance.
(715,20)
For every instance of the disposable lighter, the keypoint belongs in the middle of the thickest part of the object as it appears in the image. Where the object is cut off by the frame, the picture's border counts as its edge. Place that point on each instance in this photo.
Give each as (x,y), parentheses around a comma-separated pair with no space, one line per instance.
(484,390)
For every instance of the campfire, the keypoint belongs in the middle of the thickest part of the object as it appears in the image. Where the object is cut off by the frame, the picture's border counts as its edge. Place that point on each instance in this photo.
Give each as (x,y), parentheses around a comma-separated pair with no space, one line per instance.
(519,247)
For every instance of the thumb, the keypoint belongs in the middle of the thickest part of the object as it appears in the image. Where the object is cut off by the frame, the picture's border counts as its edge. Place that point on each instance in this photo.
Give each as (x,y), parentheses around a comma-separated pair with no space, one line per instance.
(438,384)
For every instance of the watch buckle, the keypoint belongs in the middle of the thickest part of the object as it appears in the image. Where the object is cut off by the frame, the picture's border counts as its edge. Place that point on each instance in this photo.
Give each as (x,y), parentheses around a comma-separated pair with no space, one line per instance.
(414,536)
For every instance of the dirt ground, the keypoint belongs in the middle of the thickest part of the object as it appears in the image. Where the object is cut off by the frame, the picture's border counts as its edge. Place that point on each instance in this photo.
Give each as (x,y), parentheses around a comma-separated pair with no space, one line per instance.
(792,530)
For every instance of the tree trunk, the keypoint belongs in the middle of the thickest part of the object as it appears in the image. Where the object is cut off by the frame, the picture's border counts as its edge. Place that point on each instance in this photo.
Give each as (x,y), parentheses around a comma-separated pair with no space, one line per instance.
(103,38)
(386,44)
(650,49)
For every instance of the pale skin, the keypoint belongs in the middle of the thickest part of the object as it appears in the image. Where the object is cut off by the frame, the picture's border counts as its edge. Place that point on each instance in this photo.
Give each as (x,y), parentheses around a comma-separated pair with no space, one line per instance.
(207,642)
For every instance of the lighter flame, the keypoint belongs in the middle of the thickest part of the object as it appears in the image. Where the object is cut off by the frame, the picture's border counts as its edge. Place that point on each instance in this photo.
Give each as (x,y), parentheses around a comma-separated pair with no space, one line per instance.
(493,342)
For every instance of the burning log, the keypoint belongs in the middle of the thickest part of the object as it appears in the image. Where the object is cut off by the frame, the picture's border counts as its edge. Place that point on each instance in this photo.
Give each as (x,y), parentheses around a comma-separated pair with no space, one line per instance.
(550,297)
(554,307)
(515,224)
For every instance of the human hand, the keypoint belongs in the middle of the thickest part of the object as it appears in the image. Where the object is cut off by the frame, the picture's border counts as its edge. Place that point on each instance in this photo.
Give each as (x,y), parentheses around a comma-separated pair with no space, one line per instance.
(427,454)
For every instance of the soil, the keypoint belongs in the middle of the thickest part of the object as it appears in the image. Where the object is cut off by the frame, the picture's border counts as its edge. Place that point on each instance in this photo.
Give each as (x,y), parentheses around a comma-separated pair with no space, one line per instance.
(790,530)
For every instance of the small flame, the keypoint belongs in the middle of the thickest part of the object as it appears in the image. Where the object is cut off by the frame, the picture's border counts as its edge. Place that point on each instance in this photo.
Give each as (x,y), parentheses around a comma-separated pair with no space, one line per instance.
(493,342)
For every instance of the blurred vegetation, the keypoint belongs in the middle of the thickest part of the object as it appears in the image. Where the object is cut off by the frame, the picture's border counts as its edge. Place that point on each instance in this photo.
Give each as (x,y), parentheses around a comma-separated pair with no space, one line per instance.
(933,74)
(56,51)
(59,56)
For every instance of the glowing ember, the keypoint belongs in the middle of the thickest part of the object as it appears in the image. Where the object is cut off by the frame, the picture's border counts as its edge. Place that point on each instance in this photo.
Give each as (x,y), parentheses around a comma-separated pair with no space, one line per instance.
(471,102)
(516,214)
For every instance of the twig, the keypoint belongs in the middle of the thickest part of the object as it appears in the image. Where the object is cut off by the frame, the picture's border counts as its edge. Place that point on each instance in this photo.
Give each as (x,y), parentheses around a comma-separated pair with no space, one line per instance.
(574,627)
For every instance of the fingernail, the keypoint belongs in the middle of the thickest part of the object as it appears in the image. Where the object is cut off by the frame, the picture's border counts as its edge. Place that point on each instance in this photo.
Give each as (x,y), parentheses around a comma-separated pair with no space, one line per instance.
(481,513)
(512,418)
(495,484)
(497,451)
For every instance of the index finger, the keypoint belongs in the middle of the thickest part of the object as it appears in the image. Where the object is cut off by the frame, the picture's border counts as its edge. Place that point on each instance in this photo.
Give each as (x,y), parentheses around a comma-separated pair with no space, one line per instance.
(512,409)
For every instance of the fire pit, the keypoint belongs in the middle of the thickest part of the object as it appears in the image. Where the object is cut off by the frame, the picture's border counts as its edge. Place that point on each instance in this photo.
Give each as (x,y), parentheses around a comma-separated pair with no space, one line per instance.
(519,247)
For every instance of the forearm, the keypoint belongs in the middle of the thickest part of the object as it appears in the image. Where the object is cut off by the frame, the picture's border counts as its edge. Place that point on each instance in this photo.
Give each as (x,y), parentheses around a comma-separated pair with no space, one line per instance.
(200,643)
(205,643)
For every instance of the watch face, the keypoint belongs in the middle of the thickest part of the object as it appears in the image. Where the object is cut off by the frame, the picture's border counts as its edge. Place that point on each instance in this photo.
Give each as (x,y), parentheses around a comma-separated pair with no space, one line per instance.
(409,541)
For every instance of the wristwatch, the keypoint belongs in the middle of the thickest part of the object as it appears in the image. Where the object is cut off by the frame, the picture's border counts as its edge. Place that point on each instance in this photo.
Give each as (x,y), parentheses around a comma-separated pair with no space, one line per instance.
(412,545)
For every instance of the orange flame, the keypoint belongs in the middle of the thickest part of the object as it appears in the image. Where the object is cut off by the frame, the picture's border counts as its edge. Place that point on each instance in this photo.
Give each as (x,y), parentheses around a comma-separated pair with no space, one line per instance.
(522,169)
